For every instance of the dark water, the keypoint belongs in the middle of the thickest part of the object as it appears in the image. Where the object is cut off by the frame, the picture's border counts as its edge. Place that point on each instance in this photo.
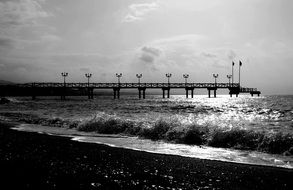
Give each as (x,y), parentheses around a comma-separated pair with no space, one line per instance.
(259,124)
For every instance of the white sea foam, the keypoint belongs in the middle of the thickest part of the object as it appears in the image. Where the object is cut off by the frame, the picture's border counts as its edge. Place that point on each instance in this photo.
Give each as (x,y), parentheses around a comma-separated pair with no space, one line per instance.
(135,143)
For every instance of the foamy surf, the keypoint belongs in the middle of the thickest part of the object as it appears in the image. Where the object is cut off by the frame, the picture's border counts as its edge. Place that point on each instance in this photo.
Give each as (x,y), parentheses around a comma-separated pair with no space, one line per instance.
(138,144)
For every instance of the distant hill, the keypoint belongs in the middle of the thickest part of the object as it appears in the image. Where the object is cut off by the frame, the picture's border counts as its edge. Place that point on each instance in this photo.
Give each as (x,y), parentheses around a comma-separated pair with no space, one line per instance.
(6,82)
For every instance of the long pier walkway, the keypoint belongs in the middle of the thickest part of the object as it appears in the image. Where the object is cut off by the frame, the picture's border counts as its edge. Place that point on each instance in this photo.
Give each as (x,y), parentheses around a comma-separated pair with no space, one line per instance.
(87,89)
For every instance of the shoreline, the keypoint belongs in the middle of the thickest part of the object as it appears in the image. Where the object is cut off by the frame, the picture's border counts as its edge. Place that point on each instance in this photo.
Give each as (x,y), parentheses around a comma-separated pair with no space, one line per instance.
(30,160)
(159,147)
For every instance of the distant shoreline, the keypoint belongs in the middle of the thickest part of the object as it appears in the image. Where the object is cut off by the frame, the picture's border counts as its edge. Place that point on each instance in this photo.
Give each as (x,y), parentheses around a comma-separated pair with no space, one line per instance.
(31,160)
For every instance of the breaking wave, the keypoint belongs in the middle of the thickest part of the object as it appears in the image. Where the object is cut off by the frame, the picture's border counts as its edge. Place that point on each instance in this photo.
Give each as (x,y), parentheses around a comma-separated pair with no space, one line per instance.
(175,130)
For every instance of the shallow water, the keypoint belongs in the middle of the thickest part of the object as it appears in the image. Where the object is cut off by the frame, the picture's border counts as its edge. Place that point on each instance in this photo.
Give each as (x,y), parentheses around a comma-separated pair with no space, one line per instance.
(270,116)
(270,113)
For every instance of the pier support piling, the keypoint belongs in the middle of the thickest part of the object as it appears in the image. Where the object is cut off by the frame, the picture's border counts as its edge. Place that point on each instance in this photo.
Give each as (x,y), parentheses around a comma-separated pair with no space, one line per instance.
(141,89)
(63,93)
(168,92)
(33,90)
(255,92)
(215,91)
(234,90)
(90,93)
(187,90)
(116,92)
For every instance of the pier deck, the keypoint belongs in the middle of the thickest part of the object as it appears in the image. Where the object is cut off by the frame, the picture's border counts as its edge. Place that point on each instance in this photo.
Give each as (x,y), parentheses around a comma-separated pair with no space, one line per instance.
(68,89)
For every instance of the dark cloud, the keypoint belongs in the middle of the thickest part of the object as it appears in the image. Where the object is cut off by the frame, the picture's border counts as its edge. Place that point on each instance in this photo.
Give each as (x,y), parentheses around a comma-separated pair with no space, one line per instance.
(151,50)
(149,54)
(147,58)
(6,42)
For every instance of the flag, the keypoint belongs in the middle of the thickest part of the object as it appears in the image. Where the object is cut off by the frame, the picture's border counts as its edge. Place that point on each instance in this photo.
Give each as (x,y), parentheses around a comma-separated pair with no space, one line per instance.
(240,63)
(233,63)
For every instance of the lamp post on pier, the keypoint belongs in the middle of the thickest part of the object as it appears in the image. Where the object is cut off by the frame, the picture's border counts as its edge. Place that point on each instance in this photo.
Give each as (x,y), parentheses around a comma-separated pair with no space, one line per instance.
(139,76)
(168,75)
(229,78)
(185,76)
(215,76)
(88,76)
(64,75)
(90,91)
(119,76)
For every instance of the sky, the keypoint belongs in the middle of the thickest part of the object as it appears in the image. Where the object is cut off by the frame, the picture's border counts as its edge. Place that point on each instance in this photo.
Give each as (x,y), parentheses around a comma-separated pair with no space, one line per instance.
(39,39)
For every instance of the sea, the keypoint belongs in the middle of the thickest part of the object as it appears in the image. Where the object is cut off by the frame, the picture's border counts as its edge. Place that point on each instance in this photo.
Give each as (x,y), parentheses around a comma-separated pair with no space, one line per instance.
(244,129)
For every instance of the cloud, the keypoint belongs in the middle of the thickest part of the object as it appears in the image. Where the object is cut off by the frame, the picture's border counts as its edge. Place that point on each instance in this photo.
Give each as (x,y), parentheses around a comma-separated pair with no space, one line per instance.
(147,58)
(151,50)
(179,54)
(6,42)
(189,53)
(20,12)
(231,55)
(20,22)
(137,12)
(192,5)
(208,55)
(178,40)
(47,67)
(149,54)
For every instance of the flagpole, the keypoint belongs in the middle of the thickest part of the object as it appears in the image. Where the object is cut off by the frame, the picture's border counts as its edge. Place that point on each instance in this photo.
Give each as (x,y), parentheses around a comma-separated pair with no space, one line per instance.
(239,71)
(232,73)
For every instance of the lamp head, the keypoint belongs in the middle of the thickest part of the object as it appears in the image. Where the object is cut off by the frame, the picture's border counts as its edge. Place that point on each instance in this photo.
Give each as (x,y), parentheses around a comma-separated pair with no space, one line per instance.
(64,74)
(88,75)
(185,75)
(168,75)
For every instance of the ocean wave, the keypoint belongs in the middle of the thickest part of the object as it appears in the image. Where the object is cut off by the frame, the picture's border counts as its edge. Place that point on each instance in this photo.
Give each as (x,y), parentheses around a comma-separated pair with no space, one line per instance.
(173,129)
(35,119)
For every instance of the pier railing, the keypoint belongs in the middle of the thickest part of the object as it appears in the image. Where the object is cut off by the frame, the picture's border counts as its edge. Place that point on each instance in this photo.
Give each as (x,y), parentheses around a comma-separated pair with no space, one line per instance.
(66,89)
(248,90)
(129,85)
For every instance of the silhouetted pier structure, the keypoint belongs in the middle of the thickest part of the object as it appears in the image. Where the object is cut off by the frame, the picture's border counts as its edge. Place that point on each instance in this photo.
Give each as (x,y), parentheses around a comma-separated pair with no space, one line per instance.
(87,89)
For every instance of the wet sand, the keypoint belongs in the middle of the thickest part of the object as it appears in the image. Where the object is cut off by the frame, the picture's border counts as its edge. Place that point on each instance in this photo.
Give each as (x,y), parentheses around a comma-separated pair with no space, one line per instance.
(39,161)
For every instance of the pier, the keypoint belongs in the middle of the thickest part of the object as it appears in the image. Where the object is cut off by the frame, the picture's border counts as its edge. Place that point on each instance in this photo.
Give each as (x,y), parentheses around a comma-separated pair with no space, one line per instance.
(87,89)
